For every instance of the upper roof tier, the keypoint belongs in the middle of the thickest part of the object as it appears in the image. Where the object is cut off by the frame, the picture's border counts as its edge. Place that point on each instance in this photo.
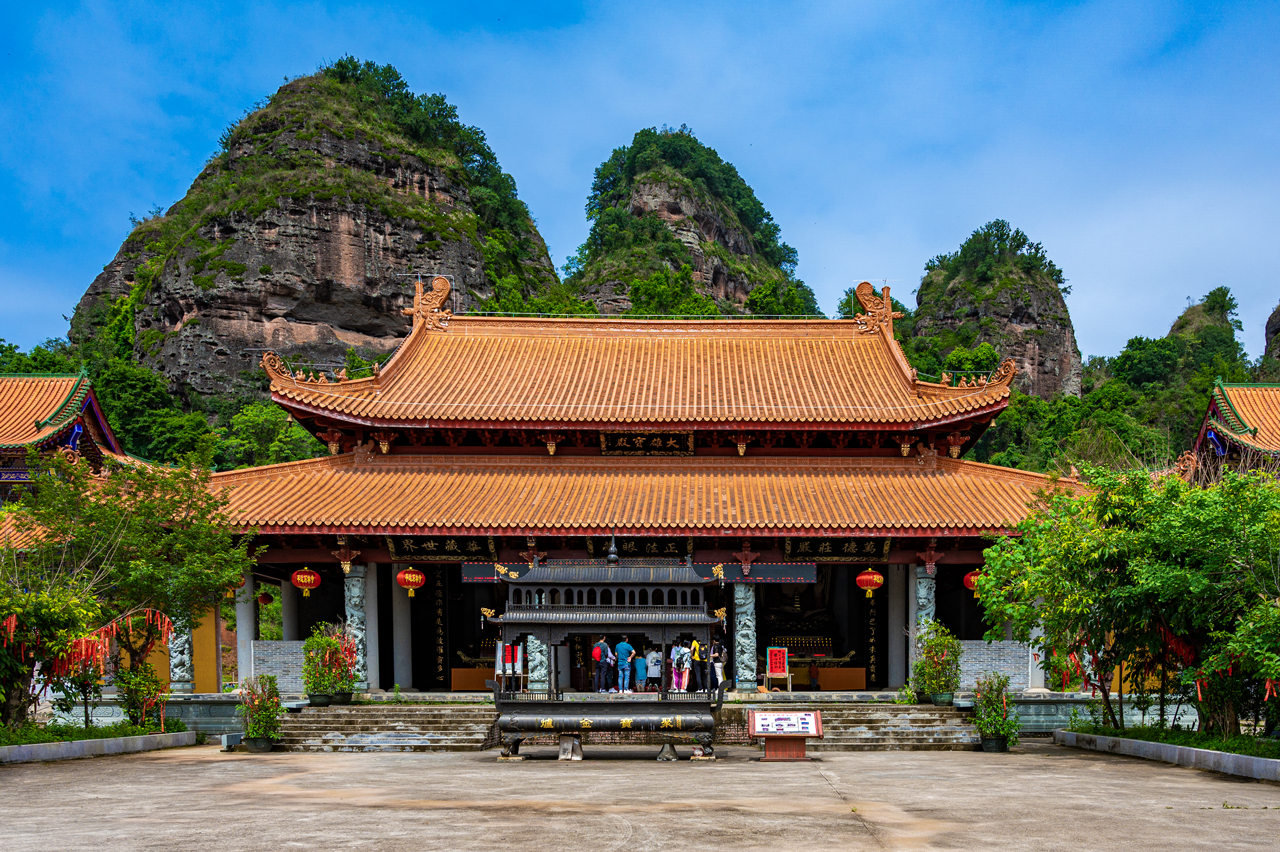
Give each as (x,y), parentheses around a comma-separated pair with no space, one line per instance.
(1246,414)
(592,372)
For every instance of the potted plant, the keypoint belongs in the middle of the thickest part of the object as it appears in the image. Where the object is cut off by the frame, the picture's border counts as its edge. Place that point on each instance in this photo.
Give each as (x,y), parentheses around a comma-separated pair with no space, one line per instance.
(937,668)
(260,710)
(996,721)
(328,666)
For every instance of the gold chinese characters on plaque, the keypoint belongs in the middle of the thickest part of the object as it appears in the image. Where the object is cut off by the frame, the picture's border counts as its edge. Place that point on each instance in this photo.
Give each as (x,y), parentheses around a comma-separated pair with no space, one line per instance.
(441,548)
(646,443)
(837,549)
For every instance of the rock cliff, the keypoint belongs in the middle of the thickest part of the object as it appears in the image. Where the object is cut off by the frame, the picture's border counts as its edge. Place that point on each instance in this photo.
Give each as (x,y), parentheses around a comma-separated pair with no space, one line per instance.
(999,288)
(666,202)
(303,235)
(1273,334)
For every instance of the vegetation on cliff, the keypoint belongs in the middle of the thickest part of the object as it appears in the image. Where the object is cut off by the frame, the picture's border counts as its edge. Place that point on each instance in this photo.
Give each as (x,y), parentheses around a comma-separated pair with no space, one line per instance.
(636,244)
(1142,406)
(286,152)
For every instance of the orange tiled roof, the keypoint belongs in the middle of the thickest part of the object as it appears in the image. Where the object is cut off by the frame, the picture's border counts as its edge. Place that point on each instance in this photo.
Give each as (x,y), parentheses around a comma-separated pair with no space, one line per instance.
(1248,414)
(620,371)
(364,492)
(36,408)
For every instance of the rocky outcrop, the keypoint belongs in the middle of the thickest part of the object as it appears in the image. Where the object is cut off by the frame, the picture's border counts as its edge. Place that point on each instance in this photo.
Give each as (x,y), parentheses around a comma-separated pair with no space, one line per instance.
(303,237)
(723,258)
(1273,334)
(1023,315)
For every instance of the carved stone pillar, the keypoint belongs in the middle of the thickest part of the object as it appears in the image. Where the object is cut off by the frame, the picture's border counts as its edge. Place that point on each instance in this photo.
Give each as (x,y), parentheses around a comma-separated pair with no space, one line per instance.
(744,635)
(355,587)
(539,663)
(182,673)
(925,589)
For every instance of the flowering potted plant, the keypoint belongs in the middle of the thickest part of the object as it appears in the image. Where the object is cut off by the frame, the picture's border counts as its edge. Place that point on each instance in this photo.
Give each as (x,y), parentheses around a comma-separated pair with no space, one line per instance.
(997,723)
(937,668)
(328,666)
(260,710)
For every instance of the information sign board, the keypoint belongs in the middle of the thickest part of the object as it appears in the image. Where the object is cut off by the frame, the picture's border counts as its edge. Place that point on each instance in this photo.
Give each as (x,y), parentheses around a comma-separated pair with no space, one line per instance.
(784,724)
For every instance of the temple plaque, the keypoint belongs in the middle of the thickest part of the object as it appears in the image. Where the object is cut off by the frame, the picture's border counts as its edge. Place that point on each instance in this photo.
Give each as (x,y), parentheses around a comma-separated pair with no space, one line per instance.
(640,443)
(628,546)
(441,548)
(837,549)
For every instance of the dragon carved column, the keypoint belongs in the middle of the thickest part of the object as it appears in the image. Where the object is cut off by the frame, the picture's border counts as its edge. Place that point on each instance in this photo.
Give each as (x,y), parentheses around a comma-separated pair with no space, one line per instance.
(354,586)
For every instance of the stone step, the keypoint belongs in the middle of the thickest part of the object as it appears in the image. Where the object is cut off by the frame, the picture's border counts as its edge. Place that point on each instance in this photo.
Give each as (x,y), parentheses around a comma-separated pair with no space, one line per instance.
(819,745)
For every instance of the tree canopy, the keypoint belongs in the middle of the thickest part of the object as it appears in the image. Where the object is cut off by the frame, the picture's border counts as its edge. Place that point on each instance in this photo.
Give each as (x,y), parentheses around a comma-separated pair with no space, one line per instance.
(1159,574)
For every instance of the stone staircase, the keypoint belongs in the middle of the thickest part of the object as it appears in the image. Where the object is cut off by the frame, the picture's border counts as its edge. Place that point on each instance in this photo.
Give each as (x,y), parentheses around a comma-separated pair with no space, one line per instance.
(892,727)
(388,727)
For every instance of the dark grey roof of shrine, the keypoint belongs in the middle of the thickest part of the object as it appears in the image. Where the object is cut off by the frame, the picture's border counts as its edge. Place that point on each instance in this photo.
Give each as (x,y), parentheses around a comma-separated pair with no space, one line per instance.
(626,571)
(607,615)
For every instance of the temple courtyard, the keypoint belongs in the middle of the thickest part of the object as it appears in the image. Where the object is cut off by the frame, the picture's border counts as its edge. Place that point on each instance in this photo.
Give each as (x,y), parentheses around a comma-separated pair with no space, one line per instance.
(1040,797)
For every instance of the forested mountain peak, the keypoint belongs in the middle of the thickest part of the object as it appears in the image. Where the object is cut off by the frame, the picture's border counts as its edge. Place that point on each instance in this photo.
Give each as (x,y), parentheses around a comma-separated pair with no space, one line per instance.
(303,231)
(676,230)
(998,288)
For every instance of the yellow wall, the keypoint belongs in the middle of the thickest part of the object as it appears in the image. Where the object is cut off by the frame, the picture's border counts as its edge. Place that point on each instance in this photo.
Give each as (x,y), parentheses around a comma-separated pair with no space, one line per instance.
(204,652)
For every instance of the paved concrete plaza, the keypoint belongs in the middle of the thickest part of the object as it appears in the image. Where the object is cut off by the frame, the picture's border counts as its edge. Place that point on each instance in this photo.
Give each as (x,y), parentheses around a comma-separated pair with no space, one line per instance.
(1042,797)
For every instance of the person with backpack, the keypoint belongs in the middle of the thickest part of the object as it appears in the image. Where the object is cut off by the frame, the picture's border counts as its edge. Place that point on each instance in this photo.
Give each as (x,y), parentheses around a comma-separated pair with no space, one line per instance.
(683,658)
(600,653)
(697,663)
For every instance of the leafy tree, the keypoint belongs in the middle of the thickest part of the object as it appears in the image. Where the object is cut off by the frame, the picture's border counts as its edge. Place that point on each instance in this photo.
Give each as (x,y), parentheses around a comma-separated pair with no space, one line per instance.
(994,247)
(671,294)
(263,433)
(145,539)
(1160,575)
(53,356)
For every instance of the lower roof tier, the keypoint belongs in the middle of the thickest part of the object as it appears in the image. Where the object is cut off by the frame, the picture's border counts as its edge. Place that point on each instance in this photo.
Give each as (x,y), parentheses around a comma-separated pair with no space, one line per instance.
(365,492)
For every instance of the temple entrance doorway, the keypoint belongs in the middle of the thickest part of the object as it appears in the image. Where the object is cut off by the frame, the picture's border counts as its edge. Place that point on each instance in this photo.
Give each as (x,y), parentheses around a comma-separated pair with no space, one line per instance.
(834,634)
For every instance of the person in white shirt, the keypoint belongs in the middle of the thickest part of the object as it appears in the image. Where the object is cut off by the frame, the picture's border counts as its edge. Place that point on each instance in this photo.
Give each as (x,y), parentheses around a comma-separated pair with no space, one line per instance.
(653,661)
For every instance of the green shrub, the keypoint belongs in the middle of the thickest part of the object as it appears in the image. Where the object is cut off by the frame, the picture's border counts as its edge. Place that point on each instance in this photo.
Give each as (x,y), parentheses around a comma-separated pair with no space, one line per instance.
(260,707)
(140,691)
(994,717)
(937,668)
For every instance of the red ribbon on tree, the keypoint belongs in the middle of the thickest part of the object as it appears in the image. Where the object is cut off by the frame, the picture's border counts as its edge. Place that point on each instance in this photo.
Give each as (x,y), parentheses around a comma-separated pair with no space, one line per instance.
(306,579)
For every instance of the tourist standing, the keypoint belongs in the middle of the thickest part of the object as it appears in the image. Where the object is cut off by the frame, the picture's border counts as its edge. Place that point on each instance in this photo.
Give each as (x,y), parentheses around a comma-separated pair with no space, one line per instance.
(683,656)
(653,662)
(717,662)
(641,671)
(600,653)
(698,664)
(625,653)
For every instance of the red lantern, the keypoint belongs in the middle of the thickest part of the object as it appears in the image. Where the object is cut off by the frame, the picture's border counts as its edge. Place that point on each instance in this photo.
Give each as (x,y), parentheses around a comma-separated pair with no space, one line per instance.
(265,599)
(870,579)
(971,582)
(306,579)
(411,578)
(238,584)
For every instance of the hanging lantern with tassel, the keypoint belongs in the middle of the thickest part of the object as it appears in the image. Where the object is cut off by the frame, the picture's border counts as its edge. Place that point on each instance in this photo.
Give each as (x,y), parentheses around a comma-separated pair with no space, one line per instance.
(410,579)
(265,599)
(306,579)
(971,582)
(870,580)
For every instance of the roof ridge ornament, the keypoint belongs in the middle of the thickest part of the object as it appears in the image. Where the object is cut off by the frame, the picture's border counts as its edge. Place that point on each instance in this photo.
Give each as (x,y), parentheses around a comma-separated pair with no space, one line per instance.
(879,310)
(429,308)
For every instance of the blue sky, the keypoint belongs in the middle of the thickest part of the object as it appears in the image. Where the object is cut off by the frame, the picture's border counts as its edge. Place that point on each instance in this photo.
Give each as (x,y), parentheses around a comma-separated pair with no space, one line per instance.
(1137,142)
